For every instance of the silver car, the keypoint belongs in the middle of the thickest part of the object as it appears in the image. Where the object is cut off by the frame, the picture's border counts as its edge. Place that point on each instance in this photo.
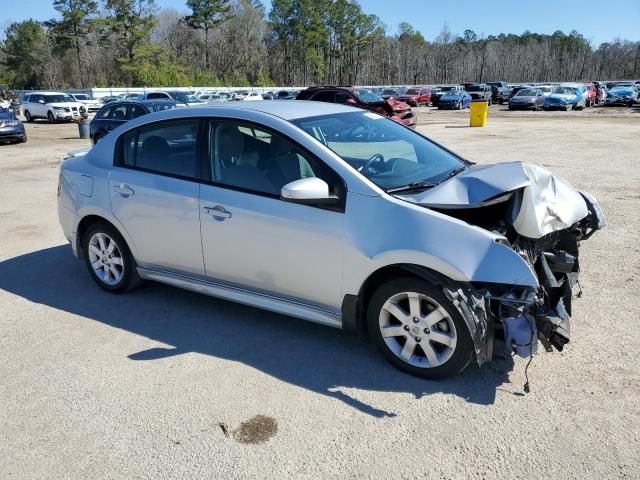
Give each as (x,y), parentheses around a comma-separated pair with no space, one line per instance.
(335,215)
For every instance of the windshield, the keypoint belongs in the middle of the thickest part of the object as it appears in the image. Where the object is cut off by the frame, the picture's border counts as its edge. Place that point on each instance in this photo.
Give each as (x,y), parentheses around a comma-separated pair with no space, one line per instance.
(621,90)
(81,97)
(367,96)
(475,88)
(446,89)
(564,91)
(413,91)
(526,93)
(58,98)
(388,92)
(387,153)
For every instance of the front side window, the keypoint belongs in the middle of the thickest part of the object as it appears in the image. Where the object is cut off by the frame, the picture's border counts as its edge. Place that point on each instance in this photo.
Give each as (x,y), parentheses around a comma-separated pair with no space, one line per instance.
(251,158)
(387,153)
(166,148)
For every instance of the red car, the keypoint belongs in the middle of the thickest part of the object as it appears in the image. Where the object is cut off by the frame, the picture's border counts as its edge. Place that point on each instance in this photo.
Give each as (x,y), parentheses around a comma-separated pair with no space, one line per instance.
(363,98)
(416,96)
(592,94)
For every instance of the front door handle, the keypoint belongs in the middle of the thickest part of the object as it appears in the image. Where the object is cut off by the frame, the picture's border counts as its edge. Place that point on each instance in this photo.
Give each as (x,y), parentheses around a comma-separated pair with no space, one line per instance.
(218,212)
(123,189)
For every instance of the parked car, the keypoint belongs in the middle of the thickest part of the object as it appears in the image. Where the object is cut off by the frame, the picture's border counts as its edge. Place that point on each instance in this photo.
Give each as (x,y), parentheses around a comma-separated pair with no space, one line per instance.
(416,96)
(287,94)
(185,98)
(211,97)
(440,90)
(388,93)
(545,89)
(252,97)
(516,88)
(92,105)
(155,96)
(480,91)
(621,95)
(363,98)
(566,96)
(454,100)
(334,215)
(11,128)
(500,91)
(53,106)
(592,94)
(527,99)
(113,115)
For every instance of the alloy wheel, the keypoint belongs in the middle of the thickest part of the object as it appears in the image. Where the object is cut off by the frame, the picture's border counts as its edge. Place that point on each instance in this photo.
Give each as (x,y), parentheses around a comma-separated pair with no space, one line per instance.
(106,259)
(417,330)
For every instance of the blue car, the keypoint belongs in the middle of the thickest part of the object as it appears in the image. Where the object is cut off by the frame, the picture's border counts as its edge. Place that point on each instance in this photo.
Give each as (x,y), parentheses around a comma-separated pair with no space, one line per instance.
(11,129)
(621,95)
(567,96)
(454,100)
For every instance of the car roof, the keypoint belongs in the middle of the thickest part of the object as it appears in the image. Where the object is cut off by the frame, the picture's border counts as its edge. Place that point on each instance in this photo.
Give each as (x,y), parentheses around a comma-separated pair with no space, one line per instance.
(46,93)
(285,110)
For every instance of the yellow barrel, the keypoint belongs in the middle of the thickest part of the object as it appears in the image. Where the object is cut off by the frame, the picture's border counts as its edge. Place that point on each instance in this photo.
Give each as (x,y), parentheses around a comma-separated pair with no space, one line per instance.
(478,113)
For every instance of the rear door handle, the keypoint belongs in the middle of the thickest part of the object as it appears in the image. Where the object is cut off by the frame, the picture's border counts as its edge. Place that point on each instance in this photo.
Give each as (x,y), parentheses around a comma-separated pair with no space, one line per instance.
(218,212)
(123,189)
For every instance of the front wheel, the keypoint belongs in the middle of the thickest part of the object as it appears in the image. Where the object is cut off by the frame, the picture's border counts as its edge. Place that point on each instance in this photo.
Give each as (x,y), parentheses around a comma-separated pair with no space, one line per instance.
(28,116)
(418,329)
(51,117)
(108,259)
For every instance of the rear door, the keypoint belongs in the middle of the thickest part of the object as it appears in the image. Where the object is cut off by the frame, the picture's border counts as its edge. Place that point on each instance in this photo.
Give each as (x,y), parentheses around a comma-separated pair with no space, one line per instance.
(154,188)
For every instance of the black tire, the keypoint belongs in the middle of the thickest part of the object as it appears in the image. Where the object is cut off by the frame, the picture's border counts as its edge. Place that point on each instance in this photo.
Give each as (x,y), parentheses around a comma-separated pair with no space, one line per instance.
(462,353)
(51,117)
(28,116)
(459,106)
(97,137)
(130,278)
(24,139)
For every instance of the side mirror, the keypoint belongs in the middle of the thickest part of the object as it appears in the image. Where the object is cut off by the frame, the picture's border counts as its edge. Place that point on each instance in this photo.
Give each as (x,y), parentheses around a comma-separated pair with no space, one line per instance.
(308,191)
(41,101)
(350,101)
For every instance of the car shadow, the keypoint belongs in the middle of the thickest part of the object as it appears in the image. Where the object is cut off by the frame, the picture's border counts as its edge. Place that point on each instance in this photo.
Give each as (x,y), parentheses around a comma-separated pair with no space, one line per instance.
(321,359)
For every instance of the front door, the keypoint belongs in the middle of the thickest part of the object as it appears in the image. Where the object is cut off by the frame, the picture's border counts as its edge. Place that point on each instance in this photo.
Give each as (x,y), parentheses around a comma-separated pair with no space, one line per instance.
(154,193)
(254,240)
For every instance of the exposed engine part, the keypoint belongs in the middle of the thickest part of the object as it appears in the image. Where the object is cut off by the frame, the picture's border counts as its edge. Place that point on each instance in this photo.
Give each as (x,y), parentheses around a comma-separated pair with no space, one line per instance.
(520,335)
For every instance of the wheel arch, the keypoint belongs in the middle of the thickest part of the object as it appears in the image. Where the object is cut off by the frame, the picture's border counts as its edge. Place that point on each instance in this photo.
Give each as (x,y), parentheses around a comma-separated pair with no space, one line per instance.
(86,222)
(354,307)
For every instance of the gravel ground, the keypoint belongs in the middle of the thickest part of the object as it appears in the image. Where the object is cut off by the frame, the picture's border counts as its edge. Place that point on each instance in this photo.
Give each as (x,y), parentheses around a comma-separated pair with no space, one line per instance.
(164,383)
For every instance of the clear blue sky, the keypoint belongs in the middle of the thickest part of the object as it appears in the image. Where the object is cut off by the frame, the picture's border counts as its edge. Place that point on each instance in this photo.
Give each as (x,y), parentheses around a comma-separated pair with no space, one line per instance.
(589,17)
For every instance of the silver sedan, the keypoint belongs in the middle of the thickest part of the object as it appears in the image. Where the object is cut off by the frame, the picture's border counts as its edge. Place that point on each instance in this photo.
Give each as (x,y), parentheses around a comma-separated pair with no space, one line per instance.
(335,215)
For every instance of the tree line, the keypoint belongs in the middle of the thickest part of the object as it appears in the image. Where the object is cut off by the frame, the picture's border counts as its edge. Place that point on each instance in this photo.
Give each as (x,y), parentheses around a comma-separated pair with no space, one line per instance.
(94,43)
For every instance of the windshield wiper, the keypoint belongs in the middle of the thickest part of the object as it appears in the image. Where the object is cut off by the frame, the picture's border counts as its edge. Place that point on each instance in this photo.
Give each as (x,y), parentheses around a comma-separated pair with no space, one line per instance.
(452,173)
(413,186)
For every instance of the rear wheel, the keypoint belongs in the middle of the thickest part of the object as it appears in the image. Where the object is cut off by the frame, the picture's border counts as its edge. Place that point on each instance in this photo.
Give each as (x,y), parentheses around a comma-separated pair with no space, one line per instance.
(108,259)
(418,329)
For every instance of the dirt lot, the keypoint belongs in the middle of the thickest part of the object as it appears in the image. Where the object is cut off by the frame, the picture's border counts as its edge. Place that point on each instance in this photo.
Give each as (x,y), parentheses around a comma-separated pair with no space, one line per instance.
(164,383)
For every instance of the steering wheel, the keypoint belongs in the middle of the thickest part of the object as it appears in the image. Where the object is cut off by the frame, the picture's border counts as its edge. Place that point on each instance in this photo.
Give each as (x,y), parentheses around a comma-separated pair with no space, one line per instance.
(375,158)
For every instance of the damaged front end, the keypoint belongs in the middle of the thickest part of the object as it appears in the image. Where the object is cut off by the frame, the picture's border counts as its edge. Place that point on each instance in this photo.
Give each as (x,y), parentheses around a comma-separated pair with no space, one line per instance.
(543,219)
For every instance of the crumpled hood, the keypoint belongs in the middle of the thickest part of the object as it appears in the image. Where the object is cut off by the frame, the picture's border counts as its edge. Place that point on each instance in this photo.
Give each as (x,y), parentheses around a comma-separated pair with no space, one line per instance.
(397,106)
(543,202)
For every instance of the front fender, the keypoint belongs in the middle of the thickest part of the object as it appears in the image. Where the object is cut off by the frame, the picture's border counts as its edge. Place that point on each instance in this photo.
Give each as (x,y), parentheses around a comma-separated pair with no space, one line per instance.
(385,231)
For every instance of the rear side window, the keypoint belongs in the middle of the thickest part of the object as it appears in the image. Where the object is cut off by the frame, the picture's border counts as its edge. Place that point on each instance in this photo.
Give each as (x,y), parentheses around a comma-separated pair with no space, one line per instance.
(158,95)
(168,148)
